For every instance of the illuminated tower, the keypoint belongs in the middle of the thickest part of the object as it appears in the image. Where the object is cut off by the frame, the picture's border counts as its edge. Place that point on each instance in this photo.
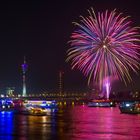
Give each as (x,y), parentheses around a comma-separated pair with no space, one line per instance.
(24,70)
(60,83)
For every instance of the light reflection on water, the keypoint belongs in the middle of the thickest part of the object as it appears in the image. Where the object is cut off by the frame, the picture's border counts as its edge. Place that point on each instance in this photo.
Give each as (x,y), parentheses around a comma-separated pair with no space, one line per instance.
(6,125)
(71,123)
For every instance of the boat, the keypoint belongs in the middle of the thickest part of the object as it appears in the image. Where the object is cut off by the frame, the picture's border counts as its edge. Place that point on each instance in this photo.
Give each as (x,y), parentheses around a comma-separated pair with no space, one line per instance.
(35,111)
(130,107)
(41,103)
(6,105)
(101,103)
(37,107)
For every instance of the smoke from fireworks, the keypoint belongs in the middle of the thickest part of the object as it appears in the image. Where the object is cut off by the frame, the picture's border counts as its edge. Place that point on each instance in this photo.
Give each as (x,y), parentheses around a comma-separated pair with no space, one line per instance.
(105,45)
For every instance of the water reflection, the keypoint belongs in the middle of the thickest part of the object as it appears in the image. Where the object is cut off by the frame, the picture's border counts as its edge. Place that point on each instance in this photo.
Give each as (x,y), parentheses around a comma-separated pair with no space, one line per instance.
(6,125)
(34,127)
(103,124)
(71,123)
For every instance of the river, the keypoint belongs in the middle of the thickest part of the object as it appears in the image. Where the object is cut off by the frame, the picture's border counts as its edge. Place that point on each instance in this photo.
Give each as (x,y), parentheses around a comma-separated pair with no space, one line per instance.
(71,123)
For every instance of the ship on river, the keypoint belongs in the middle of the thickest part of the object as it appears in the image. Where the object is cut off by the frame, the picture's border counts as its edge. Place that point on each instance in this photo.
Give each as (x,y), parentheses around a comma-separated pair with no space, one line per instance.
(101,103)
(37,107)
(130,107)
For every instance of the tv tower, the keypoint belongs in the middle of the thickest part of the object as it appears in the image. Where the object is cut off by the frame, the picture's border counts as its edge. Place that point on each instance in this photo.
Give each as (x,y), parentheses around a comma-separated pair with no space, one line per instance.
(24,70)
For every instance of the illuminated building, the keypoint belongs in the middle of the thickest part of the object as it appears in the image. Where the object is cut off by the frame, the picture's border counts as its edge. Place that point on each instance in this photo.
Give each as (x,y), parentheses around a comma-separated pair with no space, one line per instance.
(10,91)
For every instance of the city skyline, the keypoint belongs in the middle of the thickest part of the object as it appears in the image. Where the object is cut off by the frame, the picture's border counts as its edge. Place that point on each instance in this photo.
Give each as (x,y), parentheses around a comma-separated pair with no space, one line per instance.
(40,31)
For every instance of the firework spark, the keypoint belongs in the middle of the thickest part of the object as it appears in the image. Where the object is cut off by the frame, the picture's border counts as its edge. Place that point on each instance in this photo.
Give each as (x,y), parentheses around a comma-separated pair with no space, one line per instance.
(105,45)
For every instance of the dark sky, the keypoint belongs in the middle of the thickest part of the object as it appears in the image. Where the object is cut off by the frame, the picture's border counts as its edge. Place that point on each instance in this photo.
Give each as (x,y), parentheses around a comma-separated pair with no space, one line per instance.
(40,30)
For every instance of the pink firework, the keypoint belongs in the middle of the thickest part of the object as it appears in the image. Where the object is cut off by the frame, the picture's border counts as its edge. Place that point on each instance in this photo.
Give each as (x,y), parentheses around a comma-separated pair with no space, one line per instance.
(105,45)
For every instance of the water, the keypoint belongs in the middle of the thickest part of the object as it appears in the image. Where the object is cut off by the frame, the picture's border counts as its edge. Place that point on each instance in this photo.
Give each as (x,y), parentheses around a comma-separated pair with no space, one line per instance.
(71,123)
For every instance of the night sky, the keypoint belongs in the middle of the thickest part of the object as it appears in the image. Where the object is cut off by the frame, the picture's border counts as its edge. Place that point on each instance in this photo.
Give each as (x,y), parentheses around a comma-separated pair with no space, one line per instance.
(40,31)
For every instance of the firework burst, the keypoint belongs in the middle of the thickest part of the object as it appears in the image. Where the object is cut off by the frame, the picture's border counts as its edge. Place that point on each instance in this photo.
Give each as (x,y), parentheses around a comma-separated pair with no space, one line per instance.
(105,45)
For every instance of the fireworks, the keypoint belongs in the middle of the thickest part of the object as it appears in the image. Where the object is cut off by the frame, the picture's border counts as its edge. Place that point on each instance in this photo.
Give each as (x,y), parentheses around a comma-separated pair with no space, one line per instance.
(105,45)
